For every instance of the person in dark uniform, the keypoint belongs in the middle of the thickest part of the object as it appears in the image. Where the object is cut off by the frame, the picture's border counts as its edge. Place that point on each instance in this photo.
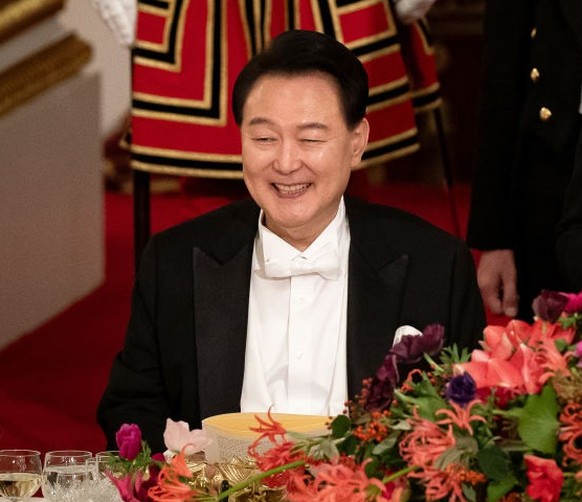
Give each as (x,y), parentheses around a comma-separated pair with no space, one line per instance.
(529,129)
(569,244)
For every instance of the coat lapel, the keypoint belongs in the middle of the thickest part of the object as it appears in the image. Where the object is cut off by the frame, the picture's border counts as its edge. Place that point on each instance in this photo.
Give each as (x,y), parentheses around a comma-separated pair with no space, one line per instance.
(375,289)
(221,297)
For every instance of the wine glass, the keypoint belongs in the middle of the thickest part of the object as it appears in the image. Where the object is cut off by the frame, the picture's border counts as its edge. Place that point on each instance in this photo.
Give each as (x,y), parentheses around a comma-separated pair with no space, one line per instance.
(66,475)
(103,488)
(20,474)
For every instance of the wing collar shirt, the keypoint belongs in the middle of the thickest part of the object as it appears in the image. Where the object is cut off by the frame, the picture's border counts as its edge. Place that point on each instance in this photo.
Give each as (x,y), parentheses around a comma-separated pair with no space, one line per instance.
(295,359)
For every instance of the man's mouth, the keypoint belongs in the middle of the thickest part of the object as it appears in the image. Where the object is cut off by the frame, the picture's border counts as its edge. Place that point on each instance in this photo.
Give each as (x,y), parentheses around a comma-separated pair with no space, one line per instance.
(289,190)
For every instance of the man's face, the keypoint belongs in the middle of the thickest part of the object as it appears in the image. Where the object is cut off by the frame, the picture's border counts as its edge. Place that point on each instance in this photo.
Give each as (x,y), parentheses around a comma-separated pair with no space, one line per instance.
(298,152)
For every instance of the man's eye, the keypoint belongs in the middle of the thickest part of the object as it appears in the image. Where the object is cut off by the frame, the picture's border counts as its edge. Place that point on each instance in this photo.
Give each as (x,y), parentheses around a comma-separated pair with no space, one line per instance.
(264,139)
(311,140)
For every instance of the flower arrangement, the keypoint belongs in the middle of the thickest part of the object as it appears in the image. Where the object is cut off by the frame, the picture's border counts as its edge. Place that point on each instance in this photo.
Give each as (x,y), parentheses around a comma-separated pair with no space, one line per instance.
(503,423)
(135,470)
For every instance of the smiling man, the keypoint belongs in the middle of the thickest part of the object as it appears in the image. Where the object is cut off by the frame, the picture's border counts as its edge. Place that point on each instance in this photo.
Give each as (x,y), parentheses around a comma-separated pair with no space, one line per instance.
(290,299)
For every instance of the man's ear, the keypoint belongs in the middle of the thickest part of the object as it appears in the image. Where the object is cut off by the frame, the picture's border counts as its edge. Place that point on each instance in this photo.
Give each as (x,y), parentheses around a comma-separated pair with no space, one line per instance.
(359,141)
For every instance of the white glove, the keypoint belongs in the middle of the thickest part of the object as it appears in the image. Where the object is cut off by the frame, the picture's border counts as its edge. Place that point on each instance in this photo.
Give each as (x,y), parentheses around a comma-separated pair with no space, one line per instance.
(120,16)
(411,10)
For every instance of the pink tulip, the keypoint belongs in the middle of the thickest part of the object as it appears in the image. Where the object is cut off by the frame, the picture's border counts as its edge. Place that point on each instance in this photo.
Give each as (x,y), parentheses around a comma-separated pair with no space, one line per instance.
(128,439)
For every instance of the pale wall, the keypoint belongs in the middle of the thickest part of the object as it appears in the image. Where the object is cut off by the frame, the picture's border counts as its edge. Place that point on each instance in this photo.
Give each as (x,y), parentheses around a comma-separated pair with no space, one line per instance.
(110,60)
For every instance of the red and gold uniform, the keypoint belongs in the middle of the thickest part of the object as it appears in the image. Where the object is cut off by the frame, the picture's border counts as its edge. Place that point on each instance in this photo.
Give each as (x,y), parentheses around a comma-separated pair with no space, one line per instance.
(188,54)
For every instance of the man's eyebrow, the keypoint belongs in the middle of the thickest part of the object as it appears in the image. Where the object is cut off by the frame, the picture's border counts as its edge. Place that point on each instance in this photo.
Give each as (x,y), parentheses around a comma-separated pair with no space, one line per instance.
(302,127)
(259,121)
(313,125)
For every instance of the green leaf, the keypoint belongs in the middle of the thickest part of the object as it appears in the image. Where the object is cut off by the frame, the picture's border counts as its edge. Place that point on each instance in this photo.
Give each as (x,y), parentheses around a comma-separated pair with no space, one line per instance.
(401,425)
(449,456)
(496,490)
(371,468)
(348,445)
(428,406)
(561,344)
(328,449)
(469,493)
(340,426)
(538,423)
(385,445)
(428,401)
(494,463)
(465,446)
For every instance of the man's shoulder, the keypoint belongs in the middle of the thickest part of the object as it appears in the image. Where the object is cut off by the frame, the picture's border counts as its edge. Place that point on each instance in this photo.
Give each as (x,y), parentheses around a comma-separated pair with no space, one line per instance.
(237,219)
(394,222)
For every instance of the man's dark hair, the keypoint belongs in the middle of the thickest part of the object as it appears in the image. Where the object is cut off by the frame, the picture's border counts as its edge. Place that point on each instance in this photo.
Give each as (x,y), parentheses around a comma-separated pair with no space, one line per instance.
(299,52)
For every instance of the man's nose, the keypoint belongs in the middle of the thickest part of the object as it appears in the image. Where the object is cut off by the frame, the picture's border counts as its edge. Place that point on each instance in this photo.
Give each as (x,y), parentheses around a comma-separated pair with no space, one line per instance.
(288,157)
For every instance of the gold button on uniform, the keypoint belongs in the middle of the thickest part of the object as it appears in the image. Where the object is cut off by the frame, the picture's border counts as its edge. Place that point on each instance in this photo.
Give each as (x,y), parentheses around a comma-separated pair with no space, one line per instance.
(545,114)
(534,75)
(533,32)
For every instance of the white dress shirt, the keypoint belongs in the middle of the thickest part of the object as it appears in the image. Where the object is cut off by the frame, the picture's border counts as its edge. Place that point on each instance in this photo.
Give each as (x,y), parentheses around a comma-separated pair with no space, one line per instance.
(295,359)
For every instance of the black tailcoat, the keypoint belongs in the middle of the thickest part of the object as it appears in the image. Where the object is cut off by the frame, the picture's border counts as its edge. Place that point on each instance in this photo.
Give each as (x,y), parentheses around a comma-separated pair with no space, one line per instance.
(184,351)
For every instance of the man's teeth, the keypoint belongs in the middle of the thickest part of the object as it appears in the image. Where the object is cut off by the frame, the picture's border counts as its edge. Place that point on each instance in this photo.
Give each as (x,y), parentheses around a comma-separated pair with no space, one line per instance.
(291,189)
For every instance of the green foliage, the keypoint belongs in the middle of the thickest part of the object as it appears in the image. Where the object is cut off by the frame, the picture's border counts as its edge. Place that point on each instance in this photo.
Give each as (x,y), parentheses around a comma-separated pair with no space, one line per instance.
(494,462)
(426,399)
(465,449)
(537,421)
(387,444)
(498,489)
(340,426)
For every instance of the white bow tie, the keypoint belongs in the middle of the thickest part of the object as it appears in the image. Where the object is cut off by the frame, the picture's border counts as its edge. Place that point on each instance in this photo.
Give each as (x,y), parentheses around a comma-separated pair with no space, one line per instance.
(324,262)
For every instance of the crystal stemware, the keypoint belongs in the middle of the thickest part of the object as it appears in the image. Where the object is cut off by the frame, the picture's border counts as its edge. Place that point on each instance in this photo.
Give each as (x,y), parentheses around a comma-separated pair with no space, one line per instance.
(66,475)
(20,474)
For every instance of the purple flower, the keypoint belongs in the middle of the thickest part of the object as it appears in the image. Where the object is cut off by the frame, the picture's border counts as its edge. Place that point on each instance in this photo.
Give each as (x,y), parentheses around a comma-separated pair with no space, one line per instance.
(381,389)
(461,389)
(549,305)
(128,439)
(411,348)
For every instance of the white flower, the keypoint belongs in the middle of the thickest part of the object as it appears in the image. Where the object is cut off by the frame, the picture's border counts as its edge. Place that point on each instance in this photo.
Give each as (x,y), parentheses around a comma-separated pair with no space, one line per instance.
(178,435)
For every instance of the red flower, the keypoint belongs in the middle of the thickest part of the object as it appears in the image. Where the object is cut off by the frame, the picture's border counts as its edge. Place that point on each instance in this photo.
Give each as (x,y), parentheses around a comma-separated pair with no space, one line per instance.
(571,432)
(125,487)
(461,417)
(144,480)
(447,484)
(337,483)
(270,429)
(170,483)
(425,442)
(545,479)
(128,439)
(278,455)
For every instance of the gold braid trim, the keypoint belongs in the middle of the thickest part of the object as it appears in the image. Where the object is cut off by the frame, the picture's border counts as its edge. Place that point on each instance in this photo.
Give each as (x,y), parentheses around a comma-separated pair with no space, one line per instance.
(42,70)
(17,15)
